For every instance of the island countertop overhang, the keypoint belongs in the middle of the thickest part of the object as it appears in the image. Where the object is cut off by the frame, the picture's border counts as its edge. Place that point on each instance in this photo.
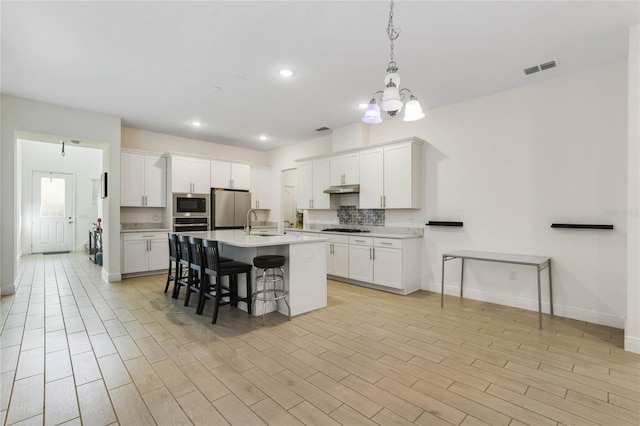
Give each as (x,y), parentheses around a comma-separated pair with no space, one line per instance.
(237,238)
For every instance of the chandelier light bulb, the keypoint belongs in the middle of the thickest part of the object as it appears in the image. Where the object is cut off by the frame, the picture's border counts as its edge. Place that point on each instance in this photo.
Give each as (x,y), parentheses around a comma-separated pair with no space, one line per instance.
(413,110)
(372,114)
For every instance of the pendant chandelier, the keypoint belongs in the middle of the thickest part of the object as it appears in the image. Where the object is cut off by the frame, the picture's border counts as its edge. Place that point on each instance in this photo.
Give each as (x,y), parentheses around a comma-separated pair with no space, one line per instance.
(391,99)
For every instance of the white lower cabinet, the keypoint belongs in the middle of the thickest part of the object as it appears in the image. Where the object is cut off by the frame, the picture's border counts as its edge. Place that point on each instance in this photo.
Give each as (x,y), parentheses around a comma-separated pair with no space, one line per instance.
(388,262)
(338,255)
(144,252)
(361,259)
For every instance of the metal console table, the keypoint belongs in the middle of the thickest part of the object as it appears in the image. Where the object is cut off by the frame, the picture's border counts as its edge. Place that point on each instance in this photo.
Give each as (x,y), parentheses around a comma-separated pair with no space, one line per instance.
(95,245)
(540,262)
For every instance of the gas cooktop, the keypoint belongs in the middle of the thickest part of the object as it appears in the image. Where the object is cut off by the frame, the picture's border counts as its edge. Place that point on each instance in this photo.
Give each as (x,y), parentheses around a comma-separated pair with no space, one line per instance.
(348,230)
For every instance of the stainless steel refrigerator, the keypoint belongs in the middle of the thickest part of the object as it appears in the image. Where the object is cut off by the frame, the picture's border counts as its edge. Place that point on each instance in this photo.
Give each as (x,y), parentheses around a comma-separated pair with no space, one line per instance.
(229,208)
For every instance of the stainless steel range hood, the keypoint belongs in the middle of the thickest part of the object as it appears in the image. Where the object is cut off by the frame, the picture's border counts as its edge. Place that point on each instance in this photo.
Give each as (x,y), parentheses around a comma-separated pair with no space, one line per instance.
(343,189)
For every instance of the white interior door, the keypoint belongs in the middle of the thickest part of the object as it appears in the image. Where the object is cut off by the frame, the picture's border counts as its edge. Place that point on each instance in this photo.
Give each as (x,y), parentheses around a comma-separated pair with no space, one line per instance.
(53,214)
(289,178)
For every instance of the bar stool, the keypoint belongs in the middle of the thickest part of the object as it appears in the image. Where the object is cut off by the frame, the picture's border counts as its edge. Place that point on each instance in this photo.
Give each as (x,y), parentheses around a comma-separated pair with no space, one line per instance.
(213,271)
(189,264)
(273,285)
(184,261)
(174,258)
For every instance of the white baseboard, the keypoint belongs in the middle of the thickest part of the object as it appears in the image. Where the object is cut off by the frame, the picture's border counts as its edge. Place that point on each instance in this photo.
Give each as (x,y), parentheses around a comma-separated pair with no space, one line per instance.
(106,276)
(532,305)
(7,290)
(632,344)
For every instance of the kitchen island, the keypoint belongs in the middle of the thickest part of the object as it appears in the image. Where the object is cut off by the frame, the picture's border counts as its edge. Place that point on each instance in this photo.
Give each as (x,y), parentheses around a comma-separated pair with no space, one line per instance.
(305,269)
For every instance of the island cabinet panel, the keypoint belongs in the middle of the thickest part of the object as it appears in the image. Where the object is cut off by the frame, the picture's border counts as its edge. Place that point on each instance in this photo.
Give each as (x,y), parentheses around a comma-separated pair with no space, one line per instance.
(190,175)
(143,180)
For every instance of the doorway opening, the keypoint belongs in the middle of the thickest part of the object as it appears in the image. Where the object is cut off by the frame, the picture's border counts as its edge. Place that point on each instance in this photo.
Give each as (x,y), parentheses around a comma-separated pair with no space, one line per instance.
(58,195)
(289,179)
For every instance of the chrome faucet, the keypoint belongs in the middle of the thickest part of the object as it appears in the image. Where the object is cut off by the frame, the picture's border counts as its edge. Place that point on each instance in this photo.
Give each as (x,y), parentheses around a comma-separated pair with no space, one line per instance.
(247,229)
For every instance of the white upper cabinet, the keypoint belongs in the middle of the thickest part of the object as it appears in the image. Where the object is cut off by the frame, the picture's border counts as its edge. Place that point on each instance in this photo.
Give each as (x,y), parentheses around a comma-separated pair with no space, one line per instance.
(260,188)
(143,180)
(345,169)
(230,175)
(190,175)
(313,179)
(371,178)
(390,176)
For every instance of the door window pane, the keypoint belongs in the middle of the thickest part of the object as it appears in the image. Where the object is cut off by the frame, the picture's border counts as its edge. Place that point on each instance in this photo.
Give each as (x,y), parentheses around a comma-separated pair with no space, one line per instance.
(52,197)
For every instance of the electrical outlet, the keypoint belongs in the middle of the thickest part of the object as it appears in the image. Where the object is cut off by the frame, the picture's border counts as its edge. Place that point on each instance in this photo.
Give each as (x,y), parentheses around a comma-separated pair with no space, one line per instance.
(156,218)
(125,219)
(513,275)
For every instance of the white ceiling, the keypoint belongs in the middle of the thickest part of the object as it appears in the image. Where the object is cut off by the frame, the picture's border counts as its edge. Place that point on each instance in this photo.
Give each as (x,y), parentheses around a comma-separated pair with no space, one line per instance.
(158,64)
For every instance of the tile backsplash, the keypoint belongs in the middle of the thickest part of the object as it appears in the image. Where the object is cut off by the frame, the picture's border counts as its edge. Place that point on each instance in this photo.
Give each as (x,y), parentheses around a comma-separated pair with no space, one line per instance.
(351,215)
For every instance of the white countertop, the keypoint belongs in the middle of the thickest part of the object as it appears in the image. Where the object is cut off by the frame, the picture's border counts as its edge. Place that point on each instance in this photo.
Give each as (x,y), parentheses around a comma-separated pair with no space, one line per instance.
(237,237)
(126,231)
(357,234)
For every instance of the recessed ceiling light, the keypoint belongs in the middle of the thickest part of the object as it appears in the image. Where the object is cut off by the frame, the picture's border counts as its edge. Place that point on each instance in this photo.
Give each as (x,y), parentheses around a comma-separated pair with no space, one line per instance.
(196,123)
(263,137)
(286,72)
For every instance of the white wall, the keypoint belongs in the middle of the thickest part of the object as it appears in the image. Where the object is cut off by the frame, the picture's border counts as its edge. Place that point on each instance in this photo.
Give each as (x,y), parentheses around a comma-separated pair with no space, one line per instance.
(22,118)
(85,164)
(509,165)
(285,158)
(632,325)
(160,143)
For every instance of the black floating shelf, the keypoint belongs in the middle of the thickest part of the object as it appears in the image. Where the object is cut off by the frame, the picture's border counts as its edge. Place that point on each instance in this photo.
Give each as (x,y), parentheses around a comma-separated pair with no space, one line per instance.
(580,226)
(443,223)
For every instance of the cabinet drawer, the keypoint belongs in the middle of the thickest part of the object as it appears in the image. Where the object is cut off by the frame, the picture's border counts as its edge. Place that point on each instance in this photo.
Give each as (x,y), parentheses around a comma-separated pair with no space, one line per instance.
(131,236)
(387,242)
(362,241)
(336,238)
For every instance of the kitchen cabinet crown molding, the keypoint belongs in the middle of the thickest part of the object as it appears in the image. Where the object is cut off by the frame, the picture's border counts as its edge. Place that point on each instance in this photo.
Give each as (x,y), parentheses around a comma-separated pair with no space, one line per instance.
(412,139)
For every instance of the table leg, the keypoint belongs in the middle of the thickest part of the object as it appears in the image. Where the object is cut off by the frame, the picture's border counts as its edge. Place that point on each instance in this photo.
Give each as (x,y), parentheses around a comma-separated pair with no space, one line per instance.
(442,285)
(539,301)
(550,290)
(461,276)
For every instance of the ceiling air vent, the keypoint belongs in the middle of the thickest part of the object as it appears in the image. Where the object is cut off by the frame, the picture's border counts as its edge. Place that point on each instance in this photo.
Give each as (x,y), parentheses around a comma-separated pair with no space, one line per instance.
(547,65)
(541,67)
(322,129)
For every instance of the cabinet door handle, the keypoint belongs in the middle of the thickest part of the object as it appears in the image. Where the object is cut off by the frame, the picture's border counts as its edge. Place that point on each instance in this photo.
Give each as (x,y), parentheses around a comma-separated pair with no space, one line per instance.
(359,241)
(384,201)
(385,243)
(370,254)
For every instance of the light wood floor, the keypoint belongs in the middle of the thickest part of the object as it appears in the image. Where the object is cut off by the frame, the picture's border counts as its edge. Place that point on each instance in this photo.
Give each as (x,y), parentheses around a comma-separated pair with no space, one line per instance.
(77,350)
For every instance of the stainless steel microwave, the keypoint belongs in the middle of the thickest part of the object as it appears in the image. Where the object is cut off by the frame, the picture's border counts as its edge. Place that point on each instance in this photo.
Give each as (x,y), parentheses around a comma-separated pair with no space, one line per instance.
(188,205)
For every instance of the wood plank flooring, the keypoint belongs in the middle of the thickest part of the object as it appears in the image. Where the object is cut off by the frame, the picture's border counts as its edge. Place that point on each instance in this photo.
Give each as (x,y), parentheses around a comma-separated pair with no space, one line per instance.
(77,350)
